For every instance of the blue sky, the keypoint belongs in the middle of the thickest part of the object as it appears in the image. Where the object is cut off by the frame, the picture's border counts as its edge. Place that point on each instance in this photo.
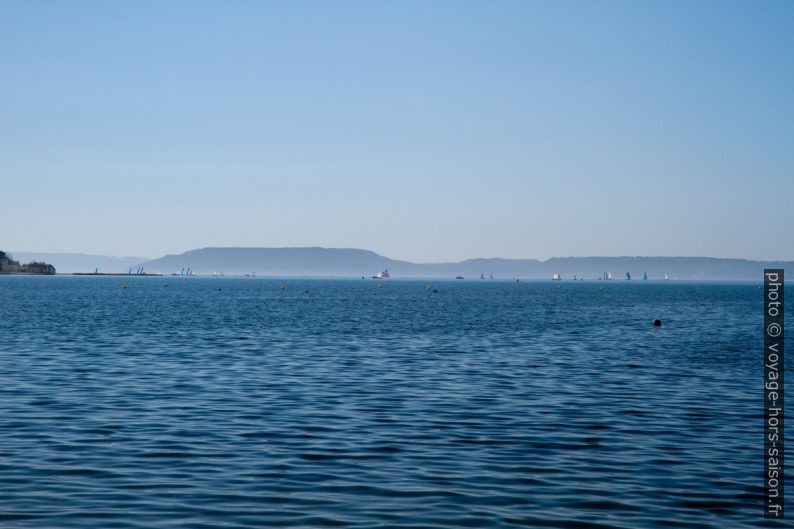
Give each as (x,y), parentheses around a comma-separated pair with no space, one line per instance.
(422,130)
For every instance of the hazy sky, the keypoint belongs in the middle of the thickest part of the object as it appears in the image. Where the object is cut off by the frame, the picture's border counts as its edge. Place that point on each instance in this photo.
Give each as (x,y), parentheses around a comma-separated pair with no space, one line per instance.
(422,130)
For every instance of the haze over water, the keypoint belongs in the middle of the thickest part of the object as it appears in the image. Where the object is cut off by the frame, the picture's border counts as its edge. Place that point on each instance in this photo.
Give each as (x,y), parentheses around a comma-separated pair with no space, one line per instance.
(335,403)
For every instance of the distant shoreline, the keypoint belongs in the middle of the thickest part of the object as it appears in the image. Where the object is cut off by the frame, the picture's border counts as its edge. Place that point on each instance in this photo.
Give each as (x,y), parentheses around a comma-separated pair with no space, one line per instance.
(350,262)
(406,278)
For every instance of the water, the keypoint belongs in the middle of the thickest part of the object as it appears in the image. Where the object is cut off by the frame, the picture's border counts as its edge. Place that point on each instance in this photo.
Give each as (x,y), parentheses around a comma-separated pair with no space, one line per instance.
(232,403)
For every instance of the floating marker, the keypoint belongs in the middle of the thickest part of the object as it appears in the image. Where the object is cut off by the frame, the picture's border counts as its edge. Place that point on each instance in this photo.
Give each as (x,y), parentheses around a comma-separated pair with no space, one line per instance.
(657,323)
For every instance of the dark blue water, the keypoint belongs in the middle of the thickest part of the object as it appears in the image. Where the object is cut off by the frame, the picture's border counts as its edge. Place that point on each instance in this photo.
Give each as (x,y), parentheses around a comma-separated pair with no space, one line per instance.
(232,403)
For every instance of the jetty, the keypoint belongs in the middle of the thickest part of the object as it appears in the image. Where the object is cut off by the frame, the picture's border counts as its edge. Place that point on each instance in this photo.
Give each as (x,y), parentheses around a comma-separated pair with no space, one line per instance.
(123,274)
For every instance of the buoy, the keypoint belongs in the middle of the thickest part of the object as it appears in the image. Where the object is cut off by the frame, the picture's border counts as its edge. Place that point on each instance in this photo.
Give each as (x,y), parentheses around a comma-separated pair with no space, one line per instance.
(657,323)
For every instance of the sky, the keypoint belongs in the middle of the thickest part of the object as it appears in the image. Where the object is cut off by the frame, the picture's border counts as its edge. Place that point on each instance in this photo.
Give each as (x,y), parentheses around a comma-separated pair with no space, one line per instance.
(427,131)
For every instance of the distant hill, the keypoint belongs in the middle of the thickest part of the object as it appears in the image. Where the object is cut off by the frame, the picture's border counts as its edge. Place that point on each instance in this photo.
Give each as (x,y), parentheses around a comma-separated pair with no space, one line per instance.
(66,263)
(342,262)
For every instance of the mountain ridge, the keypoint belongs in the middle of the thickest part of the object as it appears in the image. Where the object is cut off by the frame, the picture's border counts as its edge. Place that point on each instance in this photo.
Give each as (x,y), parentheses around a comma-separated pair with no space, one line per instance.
(355,262)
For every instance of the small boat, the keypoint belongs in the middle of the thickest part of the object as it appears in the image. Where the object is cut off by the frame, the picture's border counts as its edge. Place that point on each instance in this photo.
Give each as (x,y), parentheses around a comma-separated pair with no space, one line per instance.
(628,276)
(608,275)
(381,275)
(491,276)
(556,277)
(458,277)
(645,276)
(666,277)
(482,276)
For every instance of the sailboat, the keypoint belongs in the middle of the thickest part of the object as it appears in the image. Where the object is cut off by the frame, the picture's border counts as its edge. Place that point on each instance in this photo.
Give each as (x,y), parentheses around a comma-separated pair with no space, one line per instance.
(381,275)
(666,277)
(645,276)
(556,277)
(607,275)
(482,276)
(628,276)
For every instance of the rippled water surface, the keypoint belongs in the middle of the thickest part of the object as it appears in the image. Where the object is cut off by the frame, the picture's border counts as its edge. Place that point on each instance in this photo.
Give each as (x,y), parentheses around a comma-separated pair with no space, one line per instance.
(335,403)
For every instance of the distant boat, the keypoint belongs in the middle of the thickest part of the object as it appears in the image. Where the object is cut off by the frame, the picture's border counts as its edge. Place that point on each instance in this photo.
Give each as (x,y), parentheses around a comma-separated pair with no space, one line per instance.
(556,277)
(666,277)
(645,276)
(482,276)
(607,275)
(382,275)
(458,277)
(491,276)
(574,277)
(628,276)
